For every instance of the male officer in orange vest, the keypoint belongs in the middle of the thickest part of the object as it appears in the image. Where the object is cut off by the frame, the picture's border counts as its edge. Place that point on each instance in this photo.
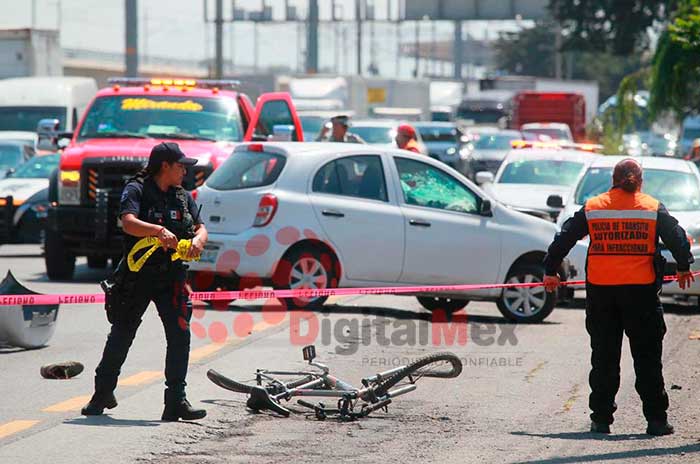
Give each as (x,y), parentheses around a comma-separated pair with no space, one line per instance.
(623,278)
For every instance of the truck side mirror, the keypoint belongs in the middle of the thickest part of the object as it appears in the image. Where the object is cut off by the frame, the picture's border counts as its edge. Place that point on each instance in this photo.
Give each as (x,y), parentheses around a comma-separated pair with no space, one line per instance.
(555,201)
(47,134)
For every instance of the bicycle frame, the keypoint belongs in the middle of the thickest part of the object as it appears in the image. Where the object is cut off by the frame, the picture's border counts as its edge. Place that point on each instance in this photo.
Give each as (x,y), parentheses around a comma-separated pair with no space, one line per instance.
(333,386)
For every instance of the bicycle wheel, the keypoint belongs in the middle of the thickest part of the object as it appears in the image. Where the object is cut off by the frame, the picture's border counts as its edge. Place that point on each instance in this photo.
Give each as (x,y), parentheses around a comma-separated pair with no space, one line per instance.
(247,386)
(438,365)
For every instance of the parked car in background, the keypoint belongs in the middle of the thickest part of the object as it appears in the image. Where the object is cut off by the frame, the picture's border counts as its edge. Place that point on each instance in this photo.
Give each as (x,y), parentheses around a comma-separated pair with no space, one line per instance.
(382,132)
(443,140)
(529,178)
(313,216)
(547,131)
(674,182)
(12,154)
(24,200)
(485,150)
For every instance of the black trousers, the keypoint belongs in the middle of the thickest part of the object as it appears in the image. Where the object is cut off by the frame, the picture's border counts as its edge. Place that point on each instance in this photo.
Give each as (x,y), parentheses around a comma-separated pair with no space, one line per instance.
(165,286)
(637,311)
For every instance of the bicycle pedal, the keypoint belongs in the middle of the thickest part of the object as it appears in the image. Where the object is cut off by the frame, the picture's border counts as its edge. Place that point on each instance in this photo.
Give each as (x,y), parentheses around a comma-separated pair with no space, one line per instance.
(309,352)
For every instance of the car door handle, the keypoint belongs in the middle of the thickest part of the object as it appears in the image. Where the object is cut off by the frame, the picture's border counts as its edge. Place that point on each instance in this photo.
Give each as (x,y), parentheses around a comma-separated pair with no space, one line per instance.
(418,223)
(332,213)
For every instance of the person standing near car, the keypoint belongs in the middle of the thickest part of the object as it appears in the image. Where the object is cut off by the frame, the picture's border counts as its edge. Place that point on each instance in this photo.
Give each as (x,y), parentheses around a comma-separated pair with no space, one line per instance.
(154,204)
(339,131)
(624,272)
(406,138)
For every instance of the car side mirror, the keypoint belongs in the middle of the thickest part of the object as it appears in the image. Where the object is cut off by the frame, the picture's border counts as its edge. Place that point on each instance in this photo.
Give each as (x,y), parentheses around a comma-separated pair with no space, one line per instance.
(282,133)
(555,201)
(484,177)
(486,208)
(9,172)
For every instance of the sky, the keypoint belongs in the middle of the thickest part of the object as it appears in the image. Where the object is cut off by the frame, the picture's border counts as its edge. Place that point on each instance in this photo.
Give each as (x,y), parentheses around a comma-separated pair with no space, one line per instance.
(176,28)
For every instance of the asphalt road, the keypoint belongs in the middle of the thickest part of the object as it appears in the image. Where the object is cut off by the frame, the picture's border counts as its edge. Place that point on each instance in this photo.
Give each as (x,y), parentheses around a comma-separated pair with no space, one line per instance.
(522,397)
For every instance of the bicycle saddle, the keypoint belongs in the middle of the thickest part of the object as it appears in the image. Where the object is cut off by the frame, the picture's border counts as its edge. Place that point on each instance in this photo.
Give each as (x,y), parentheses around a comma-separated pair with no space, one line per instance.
(260,399)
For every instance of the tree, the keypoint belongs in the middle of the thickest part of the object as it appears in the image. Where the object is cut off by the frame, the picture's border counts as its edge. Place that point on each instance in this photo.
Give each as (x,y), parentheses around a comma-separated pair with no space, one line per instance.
(616,26)
(676,65)
(530,52)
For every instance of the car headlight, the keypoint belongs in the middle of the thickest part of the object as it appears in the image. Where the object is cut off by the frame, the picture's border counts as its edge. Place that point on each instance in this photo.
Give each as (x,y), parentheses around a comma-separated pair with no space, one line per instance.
(69,188)
(451,151)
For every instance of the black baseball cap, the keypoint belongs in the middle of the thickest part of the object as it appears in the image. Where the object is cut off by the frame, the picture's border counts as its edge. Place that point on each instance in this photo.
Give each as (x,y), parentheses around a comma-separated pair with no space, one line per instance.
(170,152)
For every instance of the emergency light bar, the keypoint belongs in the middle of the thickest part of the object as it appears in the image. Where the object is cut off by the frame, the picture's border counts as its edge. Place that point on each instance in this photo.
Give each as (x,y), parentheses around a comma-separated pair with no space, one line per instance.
(166,82)
(557,145)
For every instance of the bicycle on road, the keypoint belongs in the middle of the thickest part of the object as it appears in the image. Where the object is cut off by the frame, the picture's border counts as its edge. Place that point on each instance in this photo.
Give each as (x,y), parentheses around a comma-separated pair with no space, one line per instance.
(268,389)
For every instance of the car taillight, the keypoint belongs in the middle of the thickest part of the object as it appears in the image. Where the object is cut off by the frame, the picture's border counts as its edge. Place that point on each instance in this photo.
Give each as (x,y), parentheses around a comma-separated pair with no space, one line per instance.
(194,193)
(266,210)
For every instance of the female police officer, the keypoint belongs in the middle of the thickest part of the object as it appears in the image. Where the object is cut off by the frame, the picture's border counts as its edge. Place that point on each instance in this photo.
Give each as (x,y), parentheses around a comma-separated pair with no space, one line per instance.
(154,204)
(623,276)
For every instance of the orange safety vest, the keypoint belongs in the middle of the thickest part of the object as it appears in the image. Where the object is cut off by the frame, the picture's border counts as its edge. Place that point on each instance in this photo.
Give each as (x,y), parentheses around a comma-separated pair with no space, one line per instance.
(413,146)
(622,231)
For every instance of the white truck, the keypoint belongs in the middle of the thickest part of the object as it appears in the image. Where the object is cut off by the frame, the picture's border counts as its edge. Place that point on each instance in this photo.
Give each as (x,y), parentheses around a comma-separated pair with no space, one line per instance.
(364,96)
(24,101)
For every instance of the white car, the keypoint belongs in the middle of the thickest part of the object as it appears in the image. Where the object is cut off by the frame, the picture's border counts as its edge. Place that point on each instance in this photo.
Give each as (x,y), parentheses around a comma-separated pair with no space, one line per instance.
(674,182)
(381,132)
(545,131)
(319,215)
(528,178)
(24,218)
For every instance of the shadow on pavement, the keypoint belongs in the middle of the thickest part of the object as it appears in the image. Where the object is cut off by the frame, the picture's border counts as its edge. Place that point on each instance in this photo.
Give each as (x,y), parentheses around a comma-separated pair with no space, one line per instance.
(108,421)
(616,455)
(9,349)
(587,436)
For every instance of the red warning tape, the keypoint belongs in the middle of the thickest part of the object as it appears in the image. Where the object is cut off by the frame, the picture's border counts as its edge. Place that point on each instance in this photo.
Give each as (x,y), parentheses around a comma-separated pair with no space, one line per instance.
(90,298)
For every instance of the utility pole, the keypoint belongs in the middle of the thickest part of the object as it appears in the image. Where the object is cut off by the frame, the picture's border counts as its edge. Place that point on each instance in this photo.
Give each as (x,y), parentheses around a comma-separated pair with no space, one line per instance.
(131,50)
(416,46)
(312,39)
(358,17)
(219,39)
(457,51)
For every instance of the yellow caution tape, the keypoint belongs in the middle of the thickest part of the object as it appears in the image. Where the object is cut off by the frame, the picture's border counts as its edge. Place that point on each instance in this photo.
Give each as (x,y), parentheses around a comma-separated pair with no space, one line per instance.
(183,247)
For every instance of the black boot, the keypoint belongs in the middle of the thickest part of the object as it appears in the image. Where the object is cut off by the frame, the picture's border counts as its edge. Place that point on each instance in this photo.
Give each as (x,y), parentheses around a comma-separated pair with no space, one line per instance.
(98,403)
(177,407)
(659,428)
(599,427)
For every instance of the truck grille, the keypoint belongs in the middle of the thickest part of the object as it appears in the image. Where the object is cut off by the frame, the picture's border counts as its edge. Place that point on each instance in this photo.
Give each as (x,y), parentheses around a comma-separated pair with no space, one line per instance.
(111,175)
(106,174)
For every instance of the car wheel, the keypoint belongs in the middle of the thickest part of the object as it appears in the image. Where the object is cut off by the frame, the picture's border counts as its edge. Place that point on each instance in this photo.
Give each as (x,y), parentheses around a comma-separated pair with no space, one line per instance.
(526,304)
(60,263)
(306,268)
(449,305)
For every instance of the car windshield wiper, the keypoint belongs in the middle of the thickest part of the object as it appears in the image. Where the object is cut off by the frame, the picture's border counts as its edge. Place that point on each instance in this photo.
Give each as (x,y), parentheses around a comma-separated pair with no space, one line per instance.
(114,135)
(180,135)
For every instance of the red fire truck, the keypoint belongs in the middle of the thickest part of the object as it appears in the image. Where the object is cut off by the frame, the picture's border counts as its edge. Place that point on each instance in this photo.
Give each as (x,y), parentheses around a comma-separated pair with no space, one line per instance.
(114,139)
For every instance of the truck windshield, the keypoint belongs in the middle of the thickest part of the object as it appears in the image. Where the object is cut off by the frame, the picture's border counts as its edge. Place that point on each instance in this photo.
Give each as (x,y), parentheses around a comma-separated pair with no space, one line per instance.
(166,117)
(481,116)
(26,118)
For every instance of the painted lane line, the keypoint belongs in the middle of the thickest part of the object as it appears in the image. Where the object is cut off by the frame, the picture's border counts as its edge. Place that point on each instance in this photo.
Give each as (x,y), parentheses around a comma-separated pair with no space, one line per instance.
(12,427)
(72,404)
(140,378)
